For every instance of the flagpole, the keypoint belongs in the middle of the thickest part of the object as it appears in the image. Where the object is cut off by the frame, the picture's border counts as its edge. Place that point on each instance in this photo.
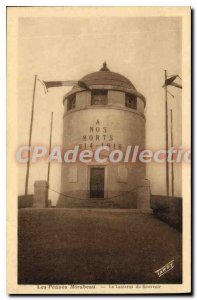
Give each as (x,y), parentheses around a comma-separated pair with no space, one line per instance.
(49,163)
(166,121)
(30,136)
(172,145)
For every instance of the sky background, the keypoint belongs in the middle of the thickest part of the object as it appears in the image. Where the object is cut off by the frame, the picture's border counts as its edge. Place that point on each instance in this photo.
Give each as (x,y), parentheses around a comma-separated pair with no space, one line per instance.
(69,48)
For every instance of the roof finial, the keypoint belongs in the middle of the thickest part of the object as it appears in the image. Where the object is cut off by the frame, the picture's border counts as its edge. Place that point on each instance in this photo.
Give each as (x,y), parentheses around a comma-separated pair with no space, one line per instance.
(104,67)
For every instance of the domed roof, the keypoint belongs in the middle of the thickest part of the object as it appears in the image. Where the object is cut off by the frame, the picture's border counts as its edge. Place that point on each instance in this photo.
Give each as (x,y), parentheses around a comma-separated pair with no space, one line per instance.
(105,77)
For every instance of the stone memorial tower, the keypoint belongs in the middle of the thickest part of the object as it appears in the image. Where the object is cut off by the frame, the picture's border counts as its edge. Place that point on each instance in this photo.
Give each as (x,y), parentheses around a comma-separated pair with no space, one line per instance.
(105,109)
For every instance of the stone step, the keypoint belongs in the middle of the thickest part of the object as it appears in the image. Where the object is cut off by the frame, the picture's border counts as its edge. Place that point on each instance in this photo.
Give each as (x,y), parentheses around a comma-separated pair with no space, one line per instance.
(100,205)
(106,202)
(95,204)
(98,201)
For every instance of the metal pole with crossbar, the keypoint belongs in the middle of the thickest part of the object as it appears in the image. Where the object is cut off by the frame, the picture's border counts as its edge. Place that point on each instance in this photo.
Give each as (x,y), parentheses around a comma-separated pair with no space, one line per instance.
(30,136)
(49,163)
(166,126)
(172,145)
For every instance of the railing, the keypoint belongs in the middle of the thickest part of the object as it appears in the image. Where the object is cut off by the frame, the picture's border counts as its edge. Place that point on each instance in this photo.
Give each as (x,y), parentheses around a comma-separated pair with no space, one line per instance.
(105,198)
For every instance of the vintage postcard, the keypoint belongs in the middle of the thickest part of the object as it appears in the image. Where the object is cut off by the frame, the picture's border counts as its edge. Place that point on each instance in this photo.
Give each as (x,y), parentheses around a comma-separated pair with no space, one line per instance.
(99,150)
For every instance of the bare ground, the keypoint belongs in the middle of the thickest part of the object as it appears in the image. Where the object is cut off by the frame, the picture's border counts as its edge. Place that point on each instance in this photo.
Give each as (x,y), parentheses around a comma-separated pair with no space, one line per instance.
(81,246)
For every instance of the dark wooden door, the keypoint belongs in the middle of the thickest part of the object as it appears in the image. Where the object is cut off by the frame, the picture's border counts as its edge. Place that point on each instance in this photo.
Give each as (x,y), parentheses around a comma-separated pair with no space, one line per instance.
(97,178)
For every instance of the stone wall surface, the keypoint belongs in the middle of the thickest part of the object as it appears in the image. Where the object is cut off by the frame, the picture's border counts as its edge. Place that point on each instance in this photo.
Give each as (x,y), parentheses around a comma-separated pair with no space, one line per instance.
(40,194)
(112,125)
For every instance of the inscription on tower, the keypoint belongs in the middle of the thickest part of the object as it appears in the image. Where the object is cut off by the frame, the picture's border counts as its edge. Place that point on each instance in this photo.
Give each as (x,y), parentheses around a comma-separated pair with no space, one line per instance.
(98,135)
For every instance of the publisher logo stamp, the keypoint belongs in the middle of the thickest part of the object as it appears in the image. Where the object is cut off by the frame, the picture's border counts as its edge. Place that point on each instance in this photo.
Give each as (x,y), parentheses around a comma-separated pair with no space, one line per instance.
(163,270)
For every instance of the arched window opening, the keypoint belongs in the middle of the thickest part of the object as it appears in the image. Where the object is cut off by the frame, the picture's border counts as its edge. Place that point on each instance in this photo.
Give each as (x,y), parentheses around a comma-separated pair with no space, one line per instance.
(131,101)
